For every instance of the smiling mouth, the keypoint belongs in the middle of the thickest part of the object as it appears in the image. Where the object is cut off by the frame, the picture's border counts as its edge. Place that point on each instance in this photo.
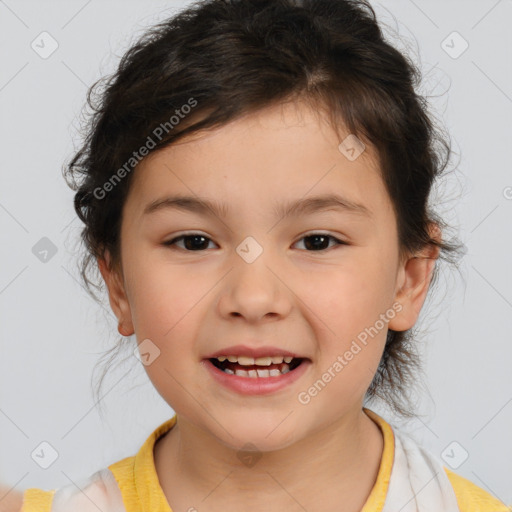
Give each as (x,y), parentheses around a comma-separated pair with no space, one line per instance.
(256,371)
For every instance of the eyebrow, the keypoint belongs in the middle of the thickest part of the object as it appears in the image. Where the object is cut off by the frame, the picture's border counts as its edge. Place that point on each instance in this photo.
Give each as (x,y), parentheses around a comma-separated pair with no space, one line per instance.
(298,207)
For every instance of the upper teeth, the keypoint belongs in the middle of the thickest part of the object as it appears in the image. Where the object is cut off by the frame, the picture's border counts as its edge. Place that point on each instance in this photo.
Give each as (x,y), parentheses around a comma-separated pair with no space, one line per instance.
(262,361)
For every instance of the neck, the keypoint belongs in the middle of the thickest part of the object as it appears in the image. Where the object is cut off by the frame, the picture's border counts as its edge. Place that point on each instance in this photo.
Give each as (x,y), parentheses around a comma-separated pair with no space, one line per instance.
(339,463)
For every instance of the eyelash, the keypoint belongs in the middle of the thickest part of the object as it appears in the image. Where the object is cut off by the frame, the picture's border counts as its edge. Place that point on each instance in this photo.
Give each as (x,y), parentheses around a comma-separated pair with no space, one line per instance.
(173,241)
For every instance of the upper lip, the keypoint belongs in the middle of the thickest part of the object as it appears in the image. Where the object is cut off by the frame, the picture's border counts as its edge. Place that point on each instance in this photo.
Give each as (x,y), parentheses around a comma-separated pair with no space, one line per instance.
(244,350)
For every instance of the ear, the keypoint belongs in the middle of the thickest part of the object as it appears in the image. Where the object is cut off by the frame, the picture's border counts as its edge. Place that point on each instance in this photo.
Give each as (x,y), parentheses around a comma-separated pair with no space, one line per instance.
(117,295)
(414,277)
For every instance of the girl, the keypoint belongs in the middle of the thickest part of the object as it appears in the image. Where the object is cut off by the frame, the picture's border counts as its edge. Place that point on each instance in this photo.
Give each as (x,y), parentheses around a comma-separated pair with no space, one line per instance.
(254,189)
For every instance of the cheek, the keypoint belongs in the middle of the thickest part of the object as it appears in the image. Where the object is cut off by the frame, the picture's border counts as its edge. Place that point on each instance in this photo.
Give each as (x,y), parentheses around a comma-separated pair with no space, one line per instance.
(162,295)
(350,308)
(351,296)
(166,304)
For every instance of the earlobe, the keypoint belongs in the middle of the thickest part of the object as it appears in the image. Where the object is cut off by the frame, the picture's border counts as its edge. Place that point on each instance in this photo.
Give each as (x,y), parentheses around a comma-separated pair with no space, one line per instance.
(117,296)
(414,279)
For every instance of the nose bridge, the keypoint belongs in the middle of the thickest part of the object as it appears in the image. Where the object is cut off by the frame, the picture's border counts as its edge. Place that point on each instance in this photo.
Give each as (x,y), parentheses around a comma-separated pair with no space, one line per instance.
(252,258)
(254,290)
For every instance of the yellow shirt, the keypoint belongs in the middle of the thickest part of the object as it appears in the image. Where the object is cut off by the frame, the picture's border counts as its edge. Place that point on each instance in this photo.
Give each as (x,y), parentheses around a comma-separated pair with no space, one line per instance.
(141,490)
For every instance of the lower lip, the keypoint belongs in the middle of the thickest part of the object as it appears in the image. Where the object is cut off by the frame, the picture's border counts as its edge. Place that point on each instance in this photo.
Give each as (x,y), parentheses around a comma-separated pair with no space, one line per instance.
(256,385)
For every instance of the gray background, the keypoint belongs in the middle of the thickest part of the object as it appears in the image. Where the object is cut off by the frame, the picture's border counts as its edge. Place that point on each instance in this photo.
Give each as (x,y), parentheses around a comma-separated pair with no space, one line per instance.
(52,333)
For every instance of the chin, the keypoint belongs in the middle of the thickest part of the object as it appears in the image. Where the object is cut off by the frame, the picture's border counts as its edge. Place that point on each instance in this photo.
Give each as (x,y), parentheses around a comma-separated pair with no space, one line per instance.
(263,436)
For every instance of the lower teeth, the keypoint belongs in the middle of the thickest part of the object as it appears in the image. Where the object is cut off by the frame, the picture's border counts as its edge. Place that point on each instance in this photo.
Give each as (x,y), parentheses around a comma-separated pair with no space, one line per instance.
(254,374)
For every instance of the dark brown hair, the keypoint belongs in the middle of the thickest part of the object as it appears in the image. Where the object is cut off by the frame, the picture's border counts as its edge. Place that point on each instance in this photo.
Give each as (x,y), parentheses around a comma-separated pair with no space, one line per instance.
(234,57)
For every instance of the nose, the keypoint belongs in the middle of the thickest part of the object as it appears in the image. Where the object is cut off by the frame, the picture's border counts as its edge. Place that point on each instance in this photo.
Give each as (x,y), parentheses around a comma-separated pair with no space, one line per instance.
(254,291)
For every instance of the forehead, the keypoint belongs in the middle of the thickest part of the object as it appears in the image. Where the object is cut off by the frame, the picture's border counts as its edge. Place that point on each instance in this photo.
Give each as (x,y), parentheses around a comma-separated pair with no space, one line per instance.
(277,155)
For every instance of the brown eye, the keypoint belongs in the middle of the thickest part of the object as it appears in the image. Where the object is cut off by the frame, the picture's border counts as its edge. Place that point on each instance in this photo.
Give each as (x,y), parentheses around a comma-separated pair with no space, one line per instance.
(320,241)
(194,242)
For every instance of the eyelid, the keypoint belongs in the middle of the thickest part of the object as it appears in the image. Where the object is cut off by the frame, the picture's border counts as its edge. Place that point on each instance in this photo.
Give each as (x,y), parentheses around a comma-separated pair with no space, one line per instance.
(320,232)
(182,235)
(335,238)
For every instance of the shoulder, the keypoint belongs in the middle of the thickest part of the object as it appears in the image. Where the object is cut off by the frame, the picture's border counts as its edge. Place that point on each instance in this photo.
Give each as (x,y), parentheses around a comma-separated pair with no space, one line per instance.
(37,500)
(472,498)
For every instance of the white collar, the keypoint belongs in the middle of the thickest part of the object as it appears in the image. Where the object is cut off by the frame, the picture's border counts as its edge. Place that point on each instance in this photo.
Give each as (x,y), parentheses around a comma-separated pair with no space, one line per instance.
(418,481)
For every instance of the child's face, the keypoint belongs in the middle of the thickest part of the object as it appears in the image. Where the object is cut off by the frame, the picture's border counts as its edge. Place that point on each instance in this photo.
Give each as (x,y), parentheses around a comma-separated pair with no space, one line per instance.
(201,297)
